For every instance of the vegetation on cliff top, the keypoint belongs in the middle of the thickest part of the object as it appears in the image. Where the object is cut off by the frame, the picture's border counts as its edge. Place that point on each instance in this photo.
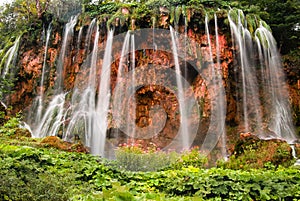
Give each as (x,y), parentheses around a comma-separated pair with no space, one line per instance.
(29,16)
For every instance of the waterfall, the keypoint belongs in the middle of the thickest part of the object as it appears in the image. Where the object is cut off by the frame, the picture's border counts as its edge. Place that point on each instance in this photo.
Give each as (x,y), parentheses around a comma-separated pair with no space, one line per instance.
(221,103)
(101,121)
(216,131)
(7,66)
(264,94)
(89,35)
(65,48)
(103,98)
(249,93)
(10,58)
(52,119)
(275,93)
(131,91)
(83,105)
(40,98)
(54,116)
(184,122)
(120,94)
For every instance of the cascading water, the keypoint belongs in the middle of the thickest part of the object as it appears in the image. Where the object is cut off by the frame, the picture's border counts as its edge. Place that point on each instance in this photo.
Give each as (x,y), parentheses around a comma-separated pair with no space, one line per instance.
(40,98)
(184,122)
(7,64)
(123,126)
(53,113)
(265,105)
(275,93)
(82,105)
(65,49)
(100,121)
(10,58)
(84,110)
(242,41)
(216,131)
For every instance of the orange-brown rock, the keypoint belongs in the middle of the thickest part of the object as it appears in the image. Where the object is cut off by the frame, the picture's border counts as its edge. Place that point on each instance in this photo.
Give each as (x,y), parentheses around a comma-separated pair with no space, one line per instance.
(56,142)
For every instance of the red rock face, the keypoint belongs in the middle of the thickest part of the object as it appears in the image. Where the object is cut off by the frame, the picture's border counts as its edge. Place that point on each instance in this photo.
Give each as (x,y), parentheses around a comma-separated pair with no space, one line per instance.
(76,72)
(147,97)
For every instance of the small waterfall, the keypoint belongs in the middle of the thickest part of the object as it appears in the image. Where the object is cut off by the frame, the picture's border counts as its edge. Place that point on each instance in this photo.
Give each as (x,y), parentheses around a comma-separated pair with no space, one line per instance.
(52,119)
(275,93)
(65,48)
(79,39)
(216,131)
(40,98)
(83,105)
(294,154)
(131,92)
(221,96)
(89,35)
(184,122)
(120,95)
(264,94)
(10,58)
(7,65)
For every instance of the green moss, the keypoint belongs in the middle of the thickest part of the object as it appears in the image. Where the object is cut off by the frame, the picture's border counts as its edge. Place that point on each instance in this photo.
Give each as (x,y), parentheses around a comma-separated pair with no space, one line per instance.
(254,153)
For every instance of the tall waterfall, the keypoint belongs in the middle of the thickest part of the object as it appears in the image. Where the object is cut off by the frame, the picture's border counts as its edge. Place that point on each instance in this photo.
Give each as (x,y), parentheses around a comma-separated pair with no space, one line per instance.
(65,50)
(242,42)
(216,131)
(83,105)
(275,91)
(183,107)
(100,122)
(263,91)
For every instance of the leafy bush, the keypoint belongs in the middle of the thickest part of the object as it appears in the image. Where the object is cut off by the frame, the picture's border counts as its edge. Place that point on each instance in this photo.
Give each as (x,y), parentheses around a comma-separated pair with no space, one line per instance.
(251,152)
(133,157)
(10,126)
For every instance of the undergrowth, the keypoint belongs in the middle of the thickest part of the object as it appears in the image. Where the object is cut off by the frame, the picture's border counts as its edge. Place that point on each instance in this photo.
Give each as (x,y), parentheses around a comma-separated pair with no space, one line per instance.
(28,173)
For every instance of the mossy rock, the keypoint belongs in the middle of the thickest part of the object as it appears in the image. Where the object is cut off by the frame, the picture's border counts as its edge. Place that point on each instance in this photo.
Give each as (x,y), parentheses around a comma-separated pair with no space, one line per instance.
(56,142)
(252,152)
(21,132)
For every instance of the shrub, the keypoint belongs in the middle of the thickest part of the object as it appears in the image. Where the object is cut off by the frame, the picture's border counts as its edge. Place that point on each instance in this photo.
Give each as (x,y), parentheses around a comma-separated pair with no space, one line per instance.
(133,157)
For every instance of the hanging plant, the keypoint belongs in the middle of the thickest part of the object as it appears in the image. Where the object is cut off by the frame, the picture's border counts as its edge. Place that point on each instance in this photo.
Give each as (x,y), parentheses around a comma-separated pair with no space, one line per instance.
(172,14)
(178,12)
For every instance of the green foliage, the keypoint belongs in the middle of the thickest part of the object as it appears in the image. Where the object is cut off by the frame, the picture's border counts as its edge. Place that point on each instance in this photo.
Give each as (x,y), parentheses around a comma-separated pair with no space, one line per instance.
(259,154)
(134,158)
(47,174)
(36,174)
(9,128)
(189,158)
(6,86)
